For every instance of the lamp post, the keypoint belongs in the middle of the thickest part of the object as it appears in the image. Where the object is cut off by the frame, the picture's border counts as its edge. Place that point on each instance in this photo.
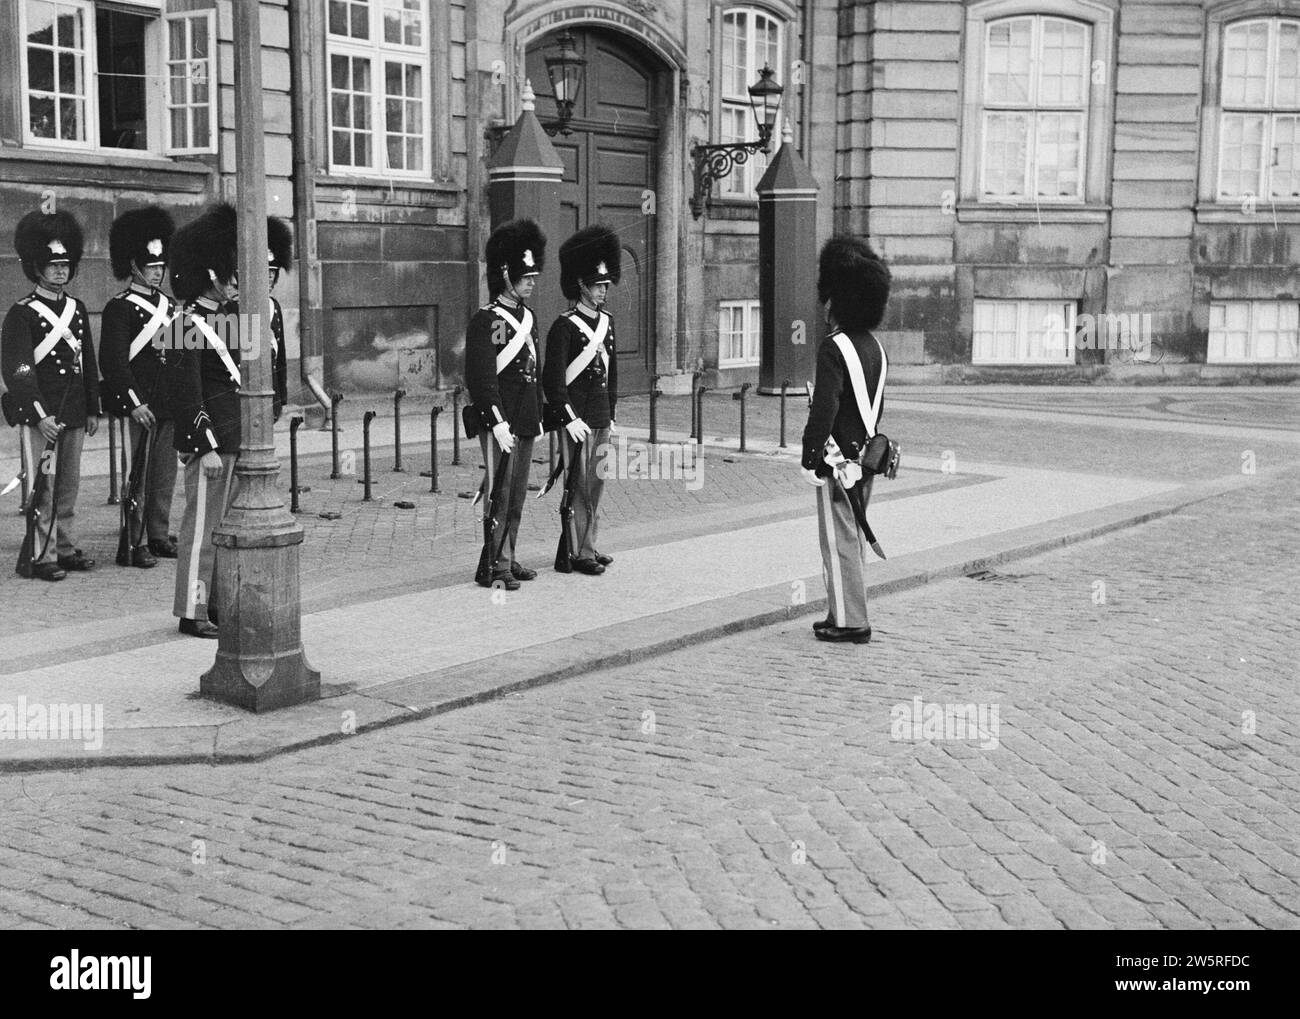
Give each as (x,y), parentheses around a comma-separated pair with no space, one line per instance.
(566,69)
(260,663)
(713,162)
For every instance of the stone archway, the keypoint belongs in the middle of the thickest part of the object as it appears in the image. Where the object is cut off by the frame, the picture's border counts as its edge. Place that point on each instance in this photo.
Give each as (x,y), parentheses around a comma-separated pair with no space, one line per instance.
(611,173)
(653,269)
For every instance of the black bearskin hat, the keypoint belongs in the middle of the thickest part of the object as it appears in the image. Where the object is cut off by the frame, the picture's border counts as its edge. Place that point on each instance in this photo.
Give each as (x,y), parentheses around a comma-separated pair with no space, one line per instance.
(279,243)
(856,282)
(520,246)
(203,244)
(41,238)
(141,237)
(590,256)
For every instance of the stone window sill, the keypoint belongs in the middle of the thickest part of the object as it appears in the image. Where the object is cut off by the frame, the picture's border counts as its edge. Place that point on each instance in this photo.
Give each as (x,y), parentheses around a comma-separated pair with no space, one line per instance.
(989,212)
(739,209)
(1265,214)
(106,167)
(376,187)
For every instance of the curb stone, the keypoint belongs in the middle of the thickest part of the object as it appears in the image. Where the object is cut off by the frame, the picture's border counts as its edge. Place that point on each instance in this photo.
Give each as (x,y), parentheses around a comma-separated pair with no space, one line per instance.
(259,738)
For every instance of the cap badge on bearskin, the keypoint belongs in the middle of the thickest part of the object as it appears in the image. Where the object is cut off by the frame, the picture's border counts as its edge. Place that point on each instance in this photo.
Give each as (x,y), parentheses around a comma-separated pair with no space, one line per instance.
(601,270)
(154,247)
(57,248)
(270,257)
(528,258)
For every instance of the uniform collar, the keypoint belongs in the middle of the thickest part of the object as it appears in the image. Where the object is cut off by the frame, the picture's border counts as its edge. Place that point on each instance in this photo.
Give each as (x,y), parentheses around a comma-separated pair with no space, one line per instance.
(142,289)
(206,306)
(48,297)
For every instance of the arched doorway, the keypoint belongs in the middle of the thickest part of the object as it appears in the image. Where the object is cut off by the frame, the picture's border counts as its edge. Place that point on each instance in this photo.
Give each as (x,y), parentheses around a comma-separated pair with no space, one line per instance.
(610,163)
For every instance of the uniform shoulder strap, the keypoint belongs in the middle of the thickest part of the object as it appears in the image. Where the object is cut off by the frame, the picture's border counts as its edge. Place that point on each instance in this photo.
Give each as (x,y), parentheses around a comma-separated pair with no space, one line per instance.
(868,408)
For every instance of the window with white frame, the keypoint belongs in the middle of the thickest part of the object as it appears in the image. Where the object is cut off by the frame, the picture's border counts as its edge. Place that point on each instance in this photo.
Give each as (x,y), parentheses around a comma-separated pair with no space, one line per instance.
(1259,331)
(93,76)
(378,56)
(1023,332)
(738,331)
(190,84)
(59,66)
(751,40)
(1034,122)
(1259,126)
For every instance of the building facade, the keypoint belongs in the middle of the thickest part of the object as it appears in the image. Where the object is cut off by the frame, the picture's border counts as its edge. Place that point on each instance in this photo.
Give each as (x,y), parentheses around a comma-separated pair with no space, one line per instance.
(1067,186)
(1063,188)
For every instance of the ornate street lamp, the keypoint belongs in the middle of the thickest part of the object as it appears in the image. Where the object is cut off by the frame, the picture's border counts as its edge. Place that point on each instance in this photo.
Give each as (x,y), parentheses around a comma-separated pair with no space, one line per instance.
(713,162)
(565,69)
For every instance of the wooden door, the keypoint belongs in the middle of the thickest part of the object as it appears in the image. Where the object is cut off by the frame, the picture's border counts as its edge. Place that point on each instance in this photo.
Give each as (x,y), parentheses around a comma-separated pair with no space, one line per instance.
(610,167)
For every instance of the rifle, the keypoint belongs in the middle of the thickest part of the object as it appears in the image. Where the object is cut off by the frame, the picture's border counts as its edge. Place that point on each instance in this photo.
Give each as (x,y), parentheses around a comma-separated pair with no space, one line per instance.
(490,523)
(140,456)
(40,481)
(564,551)
(126,541)
(492,549)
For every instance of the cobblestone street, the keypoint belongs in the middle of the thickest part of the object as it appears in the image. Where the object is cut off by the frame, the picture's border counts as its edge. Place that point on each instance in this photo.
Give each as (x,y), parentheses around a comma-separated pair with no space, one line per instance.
(1139,772)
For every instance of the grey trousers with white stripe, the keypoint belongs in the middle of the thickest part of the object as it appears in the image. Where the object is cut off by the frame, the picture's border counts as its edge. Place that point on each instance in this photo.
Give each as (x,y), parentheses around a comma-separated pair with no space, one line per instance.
(206,502)
(844,553)
(586,491)
(64,468)
(152,518)
(514,492)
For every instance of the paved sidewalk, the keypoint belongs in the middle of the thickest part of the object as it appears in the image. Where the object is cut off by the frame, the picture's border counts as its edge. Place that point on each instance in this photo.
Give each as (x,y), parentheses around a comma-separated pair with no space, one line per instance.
(755,781)
(408,640)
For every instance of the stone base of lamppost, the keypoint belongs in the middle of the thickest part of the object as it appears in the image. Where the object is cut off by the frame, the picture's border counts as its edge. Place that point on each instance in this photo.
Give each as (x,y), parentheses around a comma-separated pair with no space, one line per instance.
(260,661)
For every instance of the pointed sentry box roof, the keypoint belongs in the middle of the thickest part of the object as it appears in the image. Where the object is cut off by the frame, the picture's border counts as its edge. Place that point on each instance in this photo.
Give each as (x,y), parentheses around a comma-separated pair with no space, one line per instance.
(787,171)
(526,144)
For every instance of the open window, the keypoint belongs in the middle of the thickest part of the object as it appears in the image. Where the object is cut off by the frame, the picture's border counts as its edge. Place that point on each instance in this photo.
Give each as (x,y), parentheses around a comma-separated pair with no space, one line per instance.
(113,76)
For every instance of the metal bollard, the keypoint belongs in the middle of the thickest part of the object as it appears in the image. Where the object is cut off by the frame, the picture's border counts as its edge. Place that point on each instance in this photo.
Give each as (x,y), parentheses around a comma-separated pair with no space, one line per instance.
(397,430)
(699,418)
(695,422)
(365,439)
(455,426)
(785,383)
(433,447)
(293,462)
(335,399)
(113,497)
(744,388)
(655,393)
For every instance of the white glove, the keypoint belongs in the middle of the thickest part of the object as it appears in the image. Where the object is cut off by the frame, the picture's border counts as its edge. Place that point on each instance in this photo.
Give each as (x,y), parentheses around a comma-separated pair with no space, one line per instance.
(578,430)
(613,427)
(811,477)
(504,439)
(850,473)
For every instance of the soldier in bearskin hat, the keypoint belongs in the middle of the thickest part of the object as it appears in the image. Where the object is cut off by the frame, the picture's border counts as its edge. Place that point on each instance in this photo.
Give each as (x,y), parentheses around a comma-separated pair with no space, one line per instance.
(581,385)
(501,373)
(133,358)
(279,258)
(848,400)
(204,380)
(47,359)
